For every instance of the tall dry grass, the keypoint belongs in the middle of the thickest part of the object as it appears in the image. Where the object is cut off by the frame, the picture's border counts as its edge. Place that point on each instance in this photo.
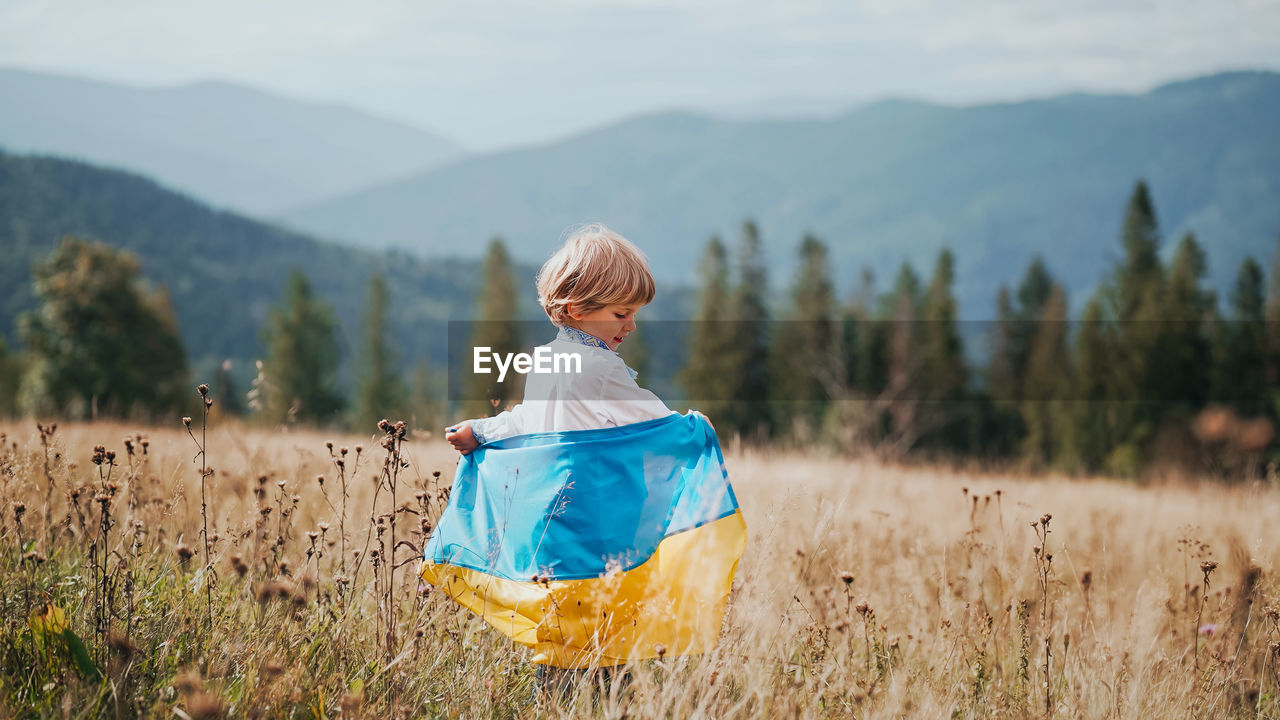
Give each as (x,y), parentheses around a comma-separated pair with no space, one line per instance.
(866,591)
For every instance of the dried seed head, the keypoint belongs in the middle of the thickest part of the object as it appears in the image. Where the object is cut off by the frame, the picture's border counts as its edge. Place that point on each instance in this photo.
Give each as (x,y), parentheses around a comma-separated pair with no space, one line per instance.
(1208,566)
(351,702)
(846,578)
(863,608)
(188,682)
(1086,579)
(324,527)
(205,706)
(121,644)
(202,389)
(184,553)
(661,650)
(186,421)
(320,479)
(384,425)
(18,509)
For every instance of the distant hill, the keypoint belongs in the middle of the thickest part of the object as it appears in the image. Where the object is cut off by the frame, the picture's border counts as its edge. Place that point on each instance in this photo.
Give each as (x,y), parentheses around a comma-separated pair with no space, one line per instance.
(223,271)
(232,146)
(883,183)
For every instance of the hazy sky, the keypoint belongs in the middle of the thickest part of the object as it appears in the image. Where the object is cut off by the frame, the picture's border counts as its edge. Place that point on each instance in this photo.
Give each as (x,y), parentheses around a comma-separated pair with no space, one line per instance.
(492,74)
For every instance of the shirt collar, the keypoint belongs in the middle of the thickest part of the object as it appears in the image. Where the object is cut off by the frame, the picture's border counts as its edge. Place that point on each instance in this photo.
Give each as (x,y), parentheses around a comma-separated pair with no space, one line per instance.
(581,337)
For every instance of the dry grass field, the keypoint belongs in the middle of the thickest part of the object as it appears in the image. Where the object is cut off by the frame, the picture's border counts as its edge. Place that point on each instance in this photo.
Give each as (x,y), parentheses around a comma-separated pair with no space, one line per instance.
(866,591)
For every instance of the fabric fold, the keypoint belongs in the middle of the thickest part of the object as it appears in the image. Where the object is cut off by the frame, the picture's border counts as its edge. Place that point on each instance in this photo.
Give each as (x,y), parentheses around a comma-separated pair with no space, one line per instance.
(594,546)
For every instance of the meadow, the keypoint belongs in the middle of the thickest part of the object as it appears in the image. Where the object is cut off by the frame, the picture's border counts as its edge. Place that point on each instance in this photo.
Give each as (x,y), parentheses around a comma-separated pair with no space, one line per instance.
(867,590)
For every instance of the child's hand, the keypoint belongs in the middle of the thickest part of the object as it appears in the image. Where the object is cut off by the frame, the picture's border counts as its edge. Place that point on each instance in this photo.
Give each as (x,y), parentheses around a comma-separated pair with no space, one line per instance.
(461,437)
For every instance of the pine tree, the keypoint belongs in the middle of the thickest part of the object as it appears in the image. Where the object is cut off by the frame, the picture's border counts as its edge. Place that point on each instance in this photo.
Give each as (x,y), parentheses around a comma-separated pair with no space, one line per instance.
(869,365)
(101,342)
(302,358)
(804,344)
(1141,265)
(1273,337)
(709,375)
(1187,359)
(1091,388)
(1047,387)
(10,376)
(1033,295)
(1137,302)
(379,390)
(942,383)
(1004,428)
(496,328)
(750,415)
(1241,372)
(904,359)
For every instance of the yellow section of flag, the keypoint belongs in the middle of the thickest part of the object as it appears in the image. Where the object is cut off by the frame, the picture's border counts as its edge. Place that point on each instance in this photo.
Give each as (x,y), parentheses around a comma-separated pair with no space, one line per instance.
(673,603)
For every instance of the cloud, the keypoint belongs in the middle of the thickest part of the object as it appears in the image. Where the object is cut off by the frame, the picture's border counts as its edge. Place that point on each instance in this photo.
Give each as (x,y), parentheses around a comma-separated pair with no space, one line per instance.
(498,72)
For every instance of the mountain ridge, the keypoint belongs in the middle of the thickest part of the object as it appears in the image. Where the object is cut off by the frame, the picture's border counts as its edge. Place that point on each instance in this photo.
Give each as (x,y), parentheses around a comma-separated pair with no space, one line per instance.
(892,181)
(231,145)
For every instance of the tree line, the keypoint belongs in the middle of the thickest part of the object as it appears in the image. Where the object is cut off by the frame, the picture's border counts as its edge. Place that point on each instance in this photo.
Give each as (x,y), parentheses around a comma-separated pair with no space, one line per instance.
(103,343)
(1150,370)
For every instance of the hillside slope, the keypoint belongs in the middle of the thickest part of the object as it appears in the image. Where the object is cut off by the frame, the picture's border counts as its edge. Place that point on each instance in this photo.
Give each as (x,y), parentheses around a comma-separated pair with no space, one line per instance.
(229,145)
(885,183)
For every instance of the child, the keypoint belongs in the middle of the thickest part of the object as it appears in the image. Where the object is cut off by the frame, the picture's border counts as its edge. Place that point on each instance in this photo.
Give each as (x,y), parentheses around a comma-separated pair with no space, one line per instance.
(591,523)
(591,289)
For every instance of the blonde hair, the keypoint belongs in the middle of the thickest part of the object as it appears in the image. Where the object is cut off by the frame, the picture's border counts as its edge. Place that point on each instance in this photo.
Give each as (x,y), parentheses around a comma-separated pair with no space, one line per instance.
(595,267)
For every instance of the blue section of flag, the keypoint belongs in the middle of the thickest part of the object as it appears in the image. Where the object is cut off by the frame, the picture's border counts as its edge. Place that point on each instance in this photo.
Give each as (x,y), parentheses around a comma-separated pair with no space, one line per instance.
(573,505)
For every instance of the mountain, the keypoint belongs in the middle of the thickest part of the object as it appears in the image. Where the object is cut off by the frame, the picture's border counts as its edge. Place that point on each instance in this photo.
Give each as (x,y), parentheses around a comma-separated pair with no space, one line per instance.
(223,271)
(229,145)
(884,183)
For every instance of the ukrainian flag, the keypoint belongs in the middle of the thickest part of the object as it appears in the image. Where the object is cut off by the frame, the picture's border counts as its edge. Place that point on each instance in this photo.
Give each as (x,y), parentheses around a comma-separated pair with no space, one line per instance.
(594,547)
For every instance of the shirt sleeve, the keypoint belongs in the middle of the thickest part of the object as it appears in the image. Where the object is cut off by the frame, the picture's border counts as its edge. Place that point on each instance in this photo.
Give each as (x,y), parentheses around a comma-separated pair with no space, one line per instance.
(503,425)
(621,401)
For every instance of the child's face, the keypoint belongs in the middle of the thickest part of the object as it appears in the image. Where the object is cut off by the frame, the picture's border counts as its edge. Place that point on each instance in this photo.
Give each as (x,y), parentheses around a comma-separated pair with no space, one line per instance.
(611,323)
